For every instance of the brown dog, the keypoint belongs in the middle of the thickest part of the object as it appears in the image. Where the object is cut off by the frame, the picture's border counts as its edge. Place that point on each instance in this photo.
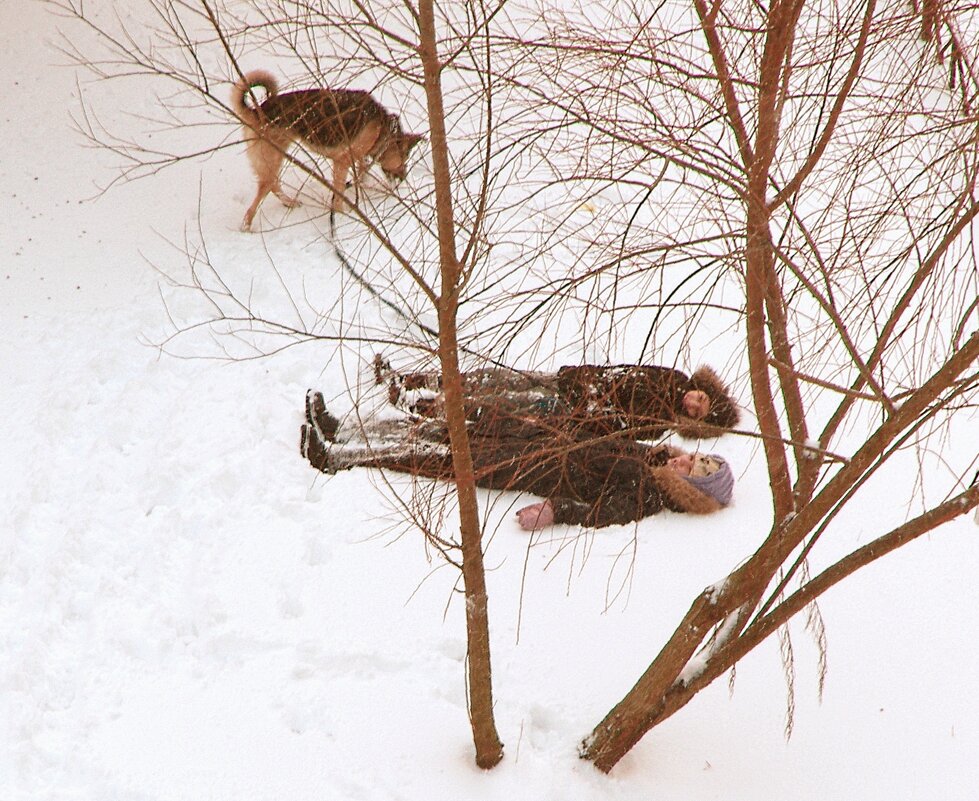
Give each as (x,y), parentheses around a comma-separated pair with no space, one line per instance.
(347,126)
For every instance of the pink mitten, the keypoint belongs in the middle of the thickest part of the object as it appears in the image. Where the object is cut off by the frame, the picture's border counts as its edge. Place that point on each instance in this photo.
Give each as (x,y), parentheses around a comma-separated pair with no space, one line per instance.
(536,516)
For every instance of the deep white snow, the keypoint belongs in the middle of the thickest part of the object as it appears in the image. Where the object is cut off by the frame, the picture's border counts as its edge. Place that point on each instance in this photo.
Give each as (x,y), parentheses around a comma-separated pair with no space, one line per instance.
(188,611)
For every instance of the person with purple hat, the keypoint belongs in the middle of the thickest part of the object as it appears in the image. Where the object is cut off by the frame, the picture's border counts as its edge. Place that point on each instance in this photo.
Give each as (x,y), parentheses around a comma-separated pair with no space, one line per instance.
(692,483)
(593,482)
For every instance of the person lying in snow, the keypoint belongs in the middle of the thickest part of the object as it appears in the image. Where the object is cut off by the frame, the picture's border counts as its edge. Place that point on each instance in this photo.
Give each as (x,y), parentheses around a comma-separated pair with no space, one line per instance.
(587,481)
(642,401)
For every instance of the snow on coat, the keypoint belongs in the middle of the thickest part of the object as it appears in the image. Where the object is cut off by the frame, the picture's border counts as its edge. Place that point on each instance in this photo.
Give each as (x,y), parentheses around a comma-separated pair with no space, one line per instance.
(590,481)
(642,401)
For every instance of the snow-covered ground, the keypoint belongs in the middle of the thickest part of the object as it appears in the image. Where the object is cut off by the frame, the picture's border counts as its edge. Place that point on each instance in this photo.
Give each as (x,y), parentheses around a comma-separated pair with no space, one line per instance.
(188,611)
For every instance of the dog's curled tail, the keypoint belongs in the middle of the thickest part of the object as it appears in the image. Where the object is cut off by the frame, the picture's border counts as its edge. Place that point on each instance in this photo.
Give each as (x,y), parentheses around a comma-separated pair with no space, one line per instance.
(240,94)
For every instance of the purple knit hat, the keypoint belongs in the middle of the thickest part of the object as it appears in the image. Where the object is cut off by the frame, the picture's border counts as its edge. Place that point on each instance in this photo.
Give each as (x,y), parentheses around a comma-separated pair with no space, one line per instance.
(718,485)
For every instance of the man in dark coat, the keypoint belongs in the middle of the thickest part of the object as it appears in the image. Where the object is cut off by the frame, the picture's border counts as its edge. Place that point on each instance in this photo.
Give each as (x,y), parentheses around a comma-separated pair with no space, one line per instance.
(641,401)
(588,481)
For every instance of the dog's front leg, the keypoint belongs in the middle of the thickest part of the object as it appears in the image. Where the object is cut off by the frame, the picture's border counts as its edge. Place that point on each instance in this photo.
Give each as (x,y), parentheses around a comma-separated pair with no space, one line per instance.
(359,171)
(341,167)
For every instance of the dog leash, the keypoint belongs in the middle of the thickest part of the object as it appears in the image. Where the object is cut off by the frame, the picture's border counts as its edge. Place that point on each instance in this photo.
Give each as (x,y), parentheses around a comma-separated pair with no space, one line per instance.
(370,288)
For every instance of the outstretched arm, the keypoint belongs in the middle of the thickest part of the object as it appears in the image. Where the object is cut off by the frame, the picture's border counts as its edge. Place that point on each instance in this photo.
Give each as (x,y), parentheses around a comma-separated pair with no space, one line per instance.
(666,490)
(609,512)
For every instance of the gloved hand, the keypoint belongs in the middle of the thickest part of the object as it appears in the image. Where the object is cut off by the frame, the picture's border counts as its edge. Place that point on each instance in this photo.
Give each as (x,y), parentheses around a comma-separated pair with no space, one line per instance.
(536,516)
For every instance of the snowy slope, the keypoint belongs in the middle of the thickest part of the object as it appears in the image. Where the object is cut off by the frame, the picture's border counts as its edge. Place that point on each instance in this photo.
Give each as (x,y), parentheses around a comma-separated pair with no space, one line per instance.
(187,611)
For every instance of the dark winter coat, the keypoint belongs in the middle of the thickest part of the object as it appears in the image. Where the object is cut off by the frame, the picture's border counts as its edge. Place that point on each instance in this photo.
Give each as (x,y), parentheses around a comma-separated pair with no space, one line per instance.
(639,401)
(644,401)
(591,482)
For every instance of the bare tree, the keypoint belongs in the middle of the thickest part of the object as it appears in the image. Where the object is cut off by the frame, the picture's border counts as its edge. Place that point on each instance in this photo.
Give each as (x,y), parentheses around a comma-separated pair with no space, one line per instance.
(807,171)
(192,52)
(802,175)
(453,271)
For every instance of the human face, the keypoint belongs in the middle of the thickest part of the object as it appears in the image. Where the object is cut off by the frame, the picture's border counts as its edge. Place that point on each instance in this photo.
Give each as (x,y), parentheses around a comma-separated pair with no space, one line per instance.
(681,464)
(696,404)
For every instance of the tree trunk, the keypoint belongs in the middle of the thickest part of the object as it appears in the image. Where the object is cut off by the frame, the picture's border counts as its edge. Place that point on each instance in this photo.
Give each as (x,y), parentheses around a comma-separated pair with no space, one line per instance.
(489,749)
(644,705)
(632,717)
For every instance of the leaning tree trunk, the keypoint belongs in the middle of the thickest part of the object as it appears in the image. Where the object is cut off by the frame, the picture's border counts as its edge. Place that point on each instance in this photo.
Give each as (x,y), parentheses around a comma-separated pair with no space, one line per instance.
(644,704)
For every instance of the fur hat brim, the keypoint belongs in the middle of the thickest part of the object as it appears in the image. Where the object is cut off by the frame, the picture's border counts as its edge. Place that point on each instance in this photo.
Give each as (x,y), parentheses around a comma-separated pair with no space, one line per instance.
(680,494)
(724,413)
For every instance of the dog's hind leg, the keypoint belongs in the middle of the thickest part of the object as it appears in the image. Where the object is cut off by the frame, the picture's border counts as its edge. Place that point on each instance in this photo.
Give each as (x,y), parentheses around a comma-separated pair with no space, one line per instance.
(264,187)
(286,200)
(266,159)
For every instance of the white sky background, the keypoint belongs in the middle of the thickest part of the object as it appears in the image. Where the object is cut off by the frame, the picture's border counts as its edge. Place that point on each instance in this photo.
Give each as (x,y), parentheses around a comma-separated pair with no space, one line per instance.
(188,611)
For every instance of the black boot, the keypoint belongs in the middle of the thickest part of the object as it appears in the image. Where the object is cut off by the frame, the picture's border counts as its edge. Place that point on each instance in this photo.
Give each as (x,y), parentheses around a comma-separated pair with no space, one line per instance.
(319,431)
(318,418)
(382,369)
(316,452)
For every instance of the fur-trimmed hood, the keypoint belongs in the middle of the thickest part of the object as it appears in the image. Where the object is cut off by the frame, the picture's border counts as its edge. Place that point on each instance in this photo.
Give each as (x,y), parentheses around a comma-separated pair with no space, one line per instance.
(719,485)
(698,495)
(723,415)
